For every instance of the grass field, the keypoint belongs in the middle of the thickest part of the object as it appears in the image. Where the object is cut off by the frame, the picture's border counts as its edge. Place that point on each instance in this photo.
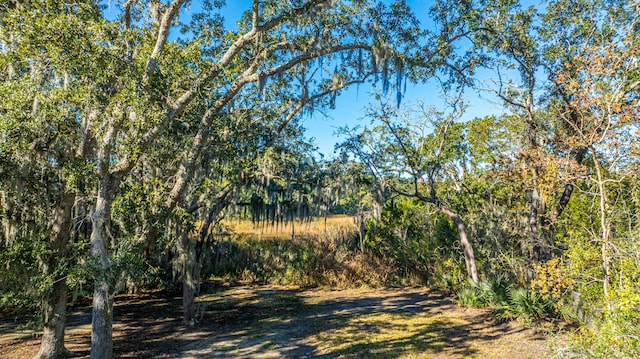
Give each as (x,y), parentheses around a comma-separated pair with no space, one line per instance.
(317,226)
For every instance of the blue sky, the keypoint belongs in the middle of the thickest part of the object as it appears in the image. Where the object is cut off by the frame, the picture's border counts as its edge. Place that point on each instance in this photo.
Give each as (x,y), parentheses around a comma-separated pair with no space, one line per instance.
(351,105)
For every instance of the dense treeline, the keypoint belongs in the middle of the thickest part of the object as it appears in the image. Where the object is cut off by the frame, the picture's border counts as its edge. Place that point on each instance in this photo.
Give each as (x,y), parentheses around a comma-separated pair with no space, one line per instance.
(124,149)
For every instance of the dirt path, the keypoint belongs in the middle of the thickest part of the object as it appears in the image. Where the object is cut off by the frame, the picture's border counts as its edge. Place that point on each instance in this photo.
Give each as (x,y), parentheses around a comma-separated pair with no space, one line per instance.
(270,322)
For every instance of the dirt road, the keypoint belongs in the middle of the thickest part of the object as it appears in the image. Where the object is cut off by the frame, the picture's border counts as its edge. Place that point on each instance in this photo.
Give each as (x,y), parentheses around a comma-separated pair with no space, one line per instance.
(278,322)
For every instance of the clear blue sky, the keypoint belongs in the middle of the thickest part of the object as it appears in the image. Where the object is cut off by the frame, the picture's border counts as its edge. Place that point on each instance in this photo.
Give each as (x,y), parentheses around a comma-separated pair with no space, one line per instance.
(351,107)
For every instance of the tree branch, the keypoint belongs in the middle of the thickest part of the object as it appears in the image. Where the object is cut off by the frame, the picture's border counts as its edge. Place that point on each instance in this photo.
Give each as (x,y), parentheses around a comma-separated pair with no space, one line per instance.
(306,100)
(163,34)
(175,107)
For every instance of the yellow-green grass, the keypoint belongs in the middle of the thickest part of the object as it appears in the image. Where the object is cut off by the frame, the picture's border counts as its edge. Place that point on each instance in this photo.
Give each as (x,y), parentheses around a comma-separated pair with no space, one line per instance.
(387,335)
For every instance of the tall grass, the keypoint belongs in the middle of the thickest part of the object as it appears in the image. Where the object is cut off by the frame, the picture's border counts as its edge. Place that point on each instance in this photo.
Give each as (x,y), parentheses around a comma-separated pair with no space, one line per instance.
(314,227)
(310,254)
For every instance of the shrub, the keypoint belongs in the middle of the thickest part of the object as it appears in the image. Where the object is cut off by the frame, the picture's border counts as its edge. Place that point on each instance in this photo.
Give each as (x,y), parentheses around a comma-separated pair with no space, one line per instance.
(491,292)
(508,301)
(494,291)
(528,304)
(470,297)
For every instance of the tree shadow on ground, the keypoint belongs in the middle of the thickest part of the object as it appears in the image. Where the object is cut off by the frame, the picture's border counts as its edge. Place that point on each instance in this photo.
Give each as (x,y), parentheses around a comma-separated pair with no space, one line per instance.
(263,322)
(299,332)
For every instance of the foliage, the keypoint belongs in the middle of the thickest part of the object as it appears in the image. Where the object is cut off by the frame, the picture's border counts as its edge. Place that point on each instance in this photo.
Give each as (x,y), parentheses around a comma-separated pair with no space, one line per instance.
(508,300)
(21,280)
(482,294)
(495,290)
(24,284)
(417,240)
(529,304)
(469,297)
(552,281)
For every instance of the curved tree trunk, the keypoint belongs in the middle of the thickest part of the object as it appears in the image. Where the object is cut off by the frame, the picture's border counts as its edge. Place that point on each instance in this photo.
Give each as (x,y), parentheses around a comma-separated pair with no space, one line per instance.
(469,257)
(191,254)
(54,306)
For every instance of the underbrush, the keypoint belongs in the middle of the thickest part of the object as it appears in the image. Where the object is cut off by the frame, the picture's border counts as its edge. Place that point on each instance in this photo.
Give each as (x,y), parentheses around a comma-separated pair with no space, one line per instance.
(597,328)
(508,301)
(318,256)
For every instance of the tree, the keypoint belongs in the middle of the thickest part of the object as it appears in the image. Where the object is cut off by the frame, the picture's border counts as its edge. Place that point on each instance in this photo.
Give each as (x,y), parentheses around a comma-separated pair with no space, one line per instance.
(528,61)
(136,83)
(583,60)
(603,91)
(44,145)
(414,152)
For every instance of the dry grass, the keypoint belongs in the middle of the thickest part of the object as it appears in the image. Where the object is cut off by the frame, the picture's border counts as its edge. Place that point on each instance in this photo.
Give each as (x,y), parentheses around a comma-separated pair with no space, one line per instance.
(314,228)
(320,254)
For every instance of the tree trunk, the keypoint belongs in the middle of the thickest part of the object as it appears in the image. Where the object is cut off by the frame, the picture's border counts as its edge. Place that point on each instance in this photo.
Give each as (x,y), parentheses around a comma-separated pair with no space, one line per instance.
(361,230)
(54,320)
(539,227)
(187,267)
(188,299)
(605,231)
(191,255)
(378,202)
(9,227)
(55,304)
(469,257)
(102,320)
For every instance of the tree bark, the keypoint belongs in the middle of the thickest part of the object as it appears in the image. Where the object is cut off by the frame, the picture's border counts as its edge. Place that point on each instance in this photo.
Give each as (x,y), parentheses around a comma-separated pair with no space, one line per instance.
(467,248)
(189,275)
(569,187)
(536,251)
(102,319)
(54,321)
(605,231)
(55,303)
(9,227)
(188,299)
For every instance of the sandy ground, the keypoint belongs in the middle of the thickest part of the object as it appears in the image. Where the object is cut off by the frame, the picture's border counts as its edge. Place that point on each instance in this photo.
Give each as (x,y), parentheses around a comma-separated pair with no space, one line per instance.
(279,322)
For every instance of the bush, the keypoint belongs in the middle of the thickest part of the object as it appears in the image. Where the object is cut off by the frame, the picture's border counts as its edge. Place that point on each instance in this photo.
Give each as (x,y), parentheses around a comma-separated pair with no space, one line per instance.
(508,301)
(495,291)
(528,304)
(614,334)
(491,292)
(470,297)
